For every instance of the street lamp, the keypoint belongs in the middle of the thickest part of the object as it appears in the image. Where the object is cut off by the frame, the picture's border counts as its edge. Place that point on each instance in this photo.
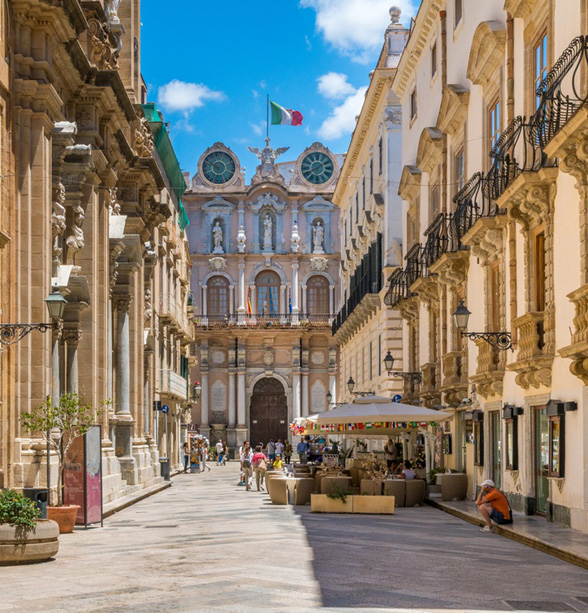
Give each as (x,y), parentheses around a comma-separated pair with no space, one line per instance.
(351,385)
(197,390)
(12,333)
(412,377)
(329,396)
(498,340)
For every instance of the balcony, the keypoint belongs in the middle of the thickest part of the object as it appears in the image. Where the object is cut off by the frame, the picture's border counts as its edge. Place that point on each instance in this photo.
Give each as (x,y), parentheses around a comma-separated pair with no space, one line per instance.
(173,384)
(455,382)
(398,288)
(430,392)
(490,370)
(276,321)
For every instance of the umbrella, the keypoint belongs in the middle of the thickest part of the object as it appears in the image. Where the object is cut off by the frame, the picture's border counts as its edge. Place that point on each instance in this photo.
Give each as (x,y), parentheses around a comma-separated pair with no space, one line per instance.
(378,409)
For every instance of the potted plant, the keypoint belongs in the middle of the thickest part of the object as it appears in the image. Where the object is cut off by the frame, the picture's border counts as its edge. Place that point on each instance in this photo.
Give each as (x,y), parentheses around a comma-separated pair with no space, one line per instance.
(60,426)
(23,536)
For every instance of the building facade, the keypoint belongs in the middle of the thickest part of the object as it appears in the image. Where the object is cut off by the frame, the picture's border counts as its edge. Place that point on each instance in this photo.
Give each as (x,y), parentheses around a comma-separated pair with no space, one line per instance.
(265,266)
(493,184)
(91,209)
(365,328)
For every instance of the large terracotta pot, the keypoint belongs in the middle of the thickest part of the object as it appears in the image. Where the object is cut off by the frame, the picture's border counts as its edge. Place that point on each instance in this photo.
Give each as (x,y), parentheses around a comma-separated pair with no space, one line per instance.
(26,545)
(64,516)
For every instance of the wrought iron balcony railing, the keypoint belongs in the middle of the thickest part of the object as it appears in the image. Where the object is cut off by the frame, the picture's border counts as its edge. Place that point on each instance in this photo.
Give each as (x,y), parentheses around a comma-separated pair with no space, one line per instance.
(437,242)
(252,320)
(563,91)
(398,288)
(413,263)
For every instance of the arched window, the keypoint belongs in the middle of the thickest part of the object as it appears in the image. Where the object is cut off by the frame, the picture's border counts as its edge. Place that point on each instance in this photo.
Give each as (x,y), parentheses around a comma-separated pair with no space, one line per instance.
(268,299)
(218,297)
(318,296)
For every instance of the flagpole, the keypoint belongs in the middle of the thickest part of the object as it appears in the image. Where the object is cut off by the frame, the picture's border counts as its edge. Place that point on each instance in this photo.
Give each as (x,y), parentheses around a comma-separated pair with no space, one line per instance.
(267,118)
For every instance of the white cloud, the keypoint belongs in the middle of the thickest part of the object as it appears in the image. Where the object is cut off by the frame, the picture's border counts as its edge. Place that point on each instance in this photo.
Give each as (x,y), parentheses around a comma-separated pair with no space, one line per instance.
(258,128)
(255,93)
(342,118)
(181,96)
(335,86)
(356,27)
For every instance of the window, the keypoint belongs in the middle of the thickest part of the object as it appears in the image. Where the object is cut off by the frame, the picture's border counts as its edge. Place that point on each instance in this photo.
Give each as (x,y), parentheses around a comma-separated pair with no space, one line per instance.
(458,12)
(218,297)
(495,297)
(556,446)
(413,104)
(380,156)
(268,302)
(512,450)
(478,438)
(346,233)
(434,207)
(371,362)
(363,193)
(318,296)
(371,175)
(459,170)
(380,355)
(433,60)
(540,60)
(356,209)
(494,124)
(539,259)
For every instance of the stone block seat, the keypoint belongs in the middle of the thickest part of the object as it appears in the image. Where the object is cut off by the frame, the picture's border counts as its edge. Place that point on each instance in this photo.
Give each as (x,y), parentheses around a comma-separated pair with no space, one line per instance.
(415,492)
(303,490)
(278,491)
(331,483)
(454,487)
(269,483)
(396,488)
(371,488)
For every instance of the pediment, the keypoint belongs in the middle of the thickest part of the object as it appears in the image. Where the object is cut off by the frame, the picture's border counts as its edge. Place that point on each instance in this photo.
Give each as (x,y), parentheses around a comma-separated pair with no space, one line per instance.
(410,183)
(318,204)
(429,150)
(487,51)
(519,8)
(454,108)
(267,199)
(218,203)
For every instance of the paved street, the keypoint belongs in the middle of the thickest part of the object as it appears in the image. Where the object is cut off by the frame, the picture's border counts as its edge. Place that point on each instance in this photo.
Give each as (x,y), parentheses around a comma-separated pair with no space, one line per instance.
(206,544)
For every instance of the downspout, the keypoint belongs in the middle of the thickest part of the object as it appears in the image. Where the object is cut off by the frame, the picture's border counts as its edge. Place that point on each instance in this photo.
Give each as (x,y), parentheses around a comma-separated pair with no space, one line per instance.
(444,177)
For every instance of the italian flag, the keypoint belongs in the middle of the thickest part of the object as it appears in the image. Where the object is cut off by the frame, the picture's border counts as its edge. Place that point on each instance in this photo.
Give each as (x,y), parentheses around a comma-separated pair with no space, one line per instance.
(285,117)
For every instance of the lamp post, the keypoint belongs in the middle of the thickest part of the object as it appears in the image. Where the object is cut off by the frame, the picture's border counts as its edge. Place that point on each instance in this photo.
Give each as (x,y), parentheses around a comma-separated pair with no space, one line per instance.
(351,387)
(410,377)
(196,391)
(498,340)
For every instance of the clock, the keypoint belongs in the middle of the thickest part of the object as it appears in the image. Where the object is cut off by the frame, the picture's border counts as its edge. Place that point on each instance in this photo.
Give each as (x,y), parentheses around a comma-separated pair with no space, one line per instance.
(317,167)
(218,167)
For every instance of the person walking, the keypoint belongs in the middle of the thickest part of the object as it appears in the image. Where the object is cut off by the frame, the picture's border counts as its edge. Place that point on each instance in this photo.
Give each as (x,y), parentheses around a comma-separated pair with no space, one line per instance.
(246,466)
(279,448)
(186,456)
(287,452)
(259,463)
(219,452)
(225,453)
(302,450)
(271,450)
(204,466)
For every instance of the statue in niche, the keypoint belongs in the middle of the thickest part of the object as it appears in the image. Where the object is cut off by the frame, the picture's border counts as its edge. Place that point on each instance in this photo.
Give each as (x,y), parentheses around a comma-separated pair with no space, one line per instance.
(112,8)
(318,237)
(217,237)
(268,225)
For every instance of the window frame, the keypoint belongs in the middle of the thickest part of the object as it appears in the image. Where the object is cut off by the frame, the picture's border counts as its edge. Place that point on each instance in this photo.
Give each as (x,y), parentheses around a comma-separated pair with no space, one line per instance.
(317,296)
(511,455)
(494,123)
(541,44)
(457,14)
(459,177)
(434,60)
(215,297)
(478,431)
(413,104)
(539,269)
(559,472)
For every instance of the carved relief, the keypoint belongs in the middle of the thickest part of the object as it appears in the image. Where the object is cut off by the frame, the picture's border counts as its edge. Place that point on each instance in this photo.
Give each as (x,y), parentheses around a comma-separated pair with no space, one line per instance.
(217,264)
(318,264)
(144,139)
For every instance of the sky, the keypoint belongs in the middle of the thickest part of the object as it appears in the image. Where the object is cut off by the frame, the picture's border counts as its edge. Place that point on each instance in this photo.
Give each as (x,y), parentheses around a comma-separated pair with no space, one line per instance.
(210,65)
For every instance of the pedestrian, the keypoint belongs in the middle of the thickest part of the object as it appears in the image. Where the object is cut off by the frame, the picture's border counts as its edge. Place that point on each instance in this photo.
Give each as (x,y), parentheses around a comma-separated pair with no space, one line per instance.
(278,464)
(391,453)
(225,454)
(288,452)
(186,456)
(279,448)
(246,466)
(219,452)
(302,450)
(493,506)
(271,450)
(408,472)
(204,466)
(259,463)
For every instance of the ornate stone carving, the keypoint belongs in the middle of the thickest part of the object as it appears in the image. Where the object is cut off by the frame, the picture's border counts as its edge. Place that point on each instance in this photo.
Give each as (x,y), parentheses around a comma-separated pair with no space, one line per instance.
(318,237)
(490,371)
(112,8)
(218,357)
(241,239)
(268,357)
(317,357)
(122,302)
(295,239)
(455,384)
(268,225)
(75,240)
(318,264)
(72,336)
(102,53)
(113,204)
(267,170)
(144,139)
(148,306)
(58,219)
(217,238)
(217,264)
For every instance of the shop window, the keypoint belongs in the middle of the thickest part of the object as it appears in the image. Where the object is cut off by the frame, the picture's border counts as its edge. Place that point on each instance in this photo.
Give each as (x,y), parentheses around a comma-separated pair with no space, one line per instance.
(556,446)
(540,65)
(478,427)
(512,447)
(218,297)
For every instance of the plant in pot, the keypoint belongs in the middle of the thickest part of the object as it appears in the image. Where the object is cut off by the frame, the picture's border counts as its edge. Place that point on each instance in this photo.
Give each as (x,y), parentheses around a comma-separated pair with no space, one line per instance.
(24,537)
(60,426)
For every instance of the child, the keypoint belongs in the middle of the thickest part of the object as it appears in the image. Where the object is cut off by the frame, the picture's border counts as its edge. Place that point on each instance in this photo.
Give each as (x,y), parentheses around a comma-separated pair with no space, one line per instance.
(278,464)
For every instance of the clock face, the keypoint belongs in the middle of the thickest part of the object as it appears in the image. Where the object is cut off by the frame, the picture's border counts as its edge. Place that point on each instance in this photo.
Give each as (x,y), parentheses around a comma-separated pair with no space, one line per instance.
(218,167)
(317,167)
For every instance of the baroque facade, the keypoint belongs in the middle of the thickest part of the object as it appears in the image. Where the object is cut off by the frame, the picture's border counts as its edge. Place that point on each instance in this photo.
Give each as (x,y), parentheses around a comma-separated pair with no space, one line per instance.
(365,328)
(494,189)
(265,268)
(90,208)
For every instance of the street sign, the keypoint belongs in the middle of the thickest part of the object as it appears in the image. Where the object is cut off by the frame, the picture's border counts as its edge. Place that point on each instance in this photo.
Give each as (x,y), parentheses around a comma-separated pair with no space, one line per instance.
(157,405)
(165,409)
(396,398)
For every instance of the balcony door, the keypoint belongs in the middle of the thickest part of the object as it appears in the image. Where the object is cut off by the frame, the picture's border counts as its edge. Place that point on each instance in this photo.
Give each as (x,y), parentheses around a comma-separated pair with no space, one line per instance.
(318,296)
(218,298)
(267,286)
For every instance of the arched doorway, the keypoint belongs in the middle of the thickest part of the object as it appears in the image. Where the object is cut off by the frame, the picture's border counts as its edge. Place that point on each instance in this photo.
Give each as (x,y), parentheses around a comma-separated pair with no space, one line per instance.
(268,414)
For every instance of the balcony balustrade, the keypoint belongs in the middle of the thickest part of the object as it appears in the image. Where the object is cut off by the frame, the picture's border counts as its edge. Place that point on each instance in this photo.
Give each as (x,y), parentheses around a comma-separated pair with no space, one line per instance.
(173,384)
(251,320)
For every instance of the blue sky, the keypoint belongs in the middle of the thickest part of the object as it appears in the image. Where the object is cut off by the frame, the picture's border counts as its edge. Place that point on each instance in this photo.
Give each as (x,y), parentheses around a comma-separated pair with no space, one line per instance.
(209,66)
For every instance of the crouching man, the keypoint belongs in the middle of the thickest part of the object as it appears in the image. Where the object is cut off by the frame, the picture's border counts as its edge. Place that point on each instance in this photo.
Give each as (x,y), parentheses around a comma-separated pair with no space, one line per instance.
(493,506)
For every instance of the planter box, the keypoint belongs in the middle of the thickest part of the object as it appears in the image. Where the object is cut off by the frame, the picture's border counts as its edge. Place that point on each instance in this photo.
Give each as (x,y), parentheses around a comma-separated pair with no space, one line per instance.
(321,503)
(373,504)
(23,546)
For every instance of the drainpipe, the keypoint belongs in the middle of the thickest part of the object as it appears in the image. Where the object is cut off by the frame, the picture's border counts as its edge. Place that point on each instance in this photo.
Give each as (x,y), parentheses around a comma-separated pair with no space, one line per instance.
(444,179)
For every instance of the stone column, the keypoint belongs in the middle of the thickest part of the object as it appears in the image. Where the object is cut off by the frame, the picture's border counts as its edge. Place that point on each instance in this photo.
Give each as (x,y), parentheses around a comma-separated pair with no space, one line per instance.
(55,365)
(295,307)
(204,301)
(253,302)
(304,305)
(333,388)
(283,305)
(304,394)
(231,300)
(72,337)
(331,301)
(232,398)
(241,287)
(295,395)
(241,419)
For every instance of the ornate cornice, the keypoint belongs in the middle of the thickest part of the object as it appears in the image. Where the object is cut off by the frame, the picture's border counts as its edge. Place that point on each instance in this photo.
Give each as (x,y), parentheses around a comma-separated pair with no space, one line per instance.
(454,108)
(487,52)
(429,149)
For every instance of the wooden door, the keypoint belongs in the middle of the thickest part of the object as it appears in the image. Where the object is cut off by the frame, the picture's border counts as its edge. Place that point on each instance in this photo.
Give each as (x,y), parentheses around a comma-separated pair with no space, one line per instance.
(268,415)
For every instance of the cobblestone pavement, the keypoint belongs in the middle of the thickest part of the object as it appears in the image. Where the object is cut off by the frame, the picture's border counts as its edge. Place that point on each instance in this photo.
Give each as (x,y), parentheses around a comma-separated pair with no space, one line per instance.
(206,544)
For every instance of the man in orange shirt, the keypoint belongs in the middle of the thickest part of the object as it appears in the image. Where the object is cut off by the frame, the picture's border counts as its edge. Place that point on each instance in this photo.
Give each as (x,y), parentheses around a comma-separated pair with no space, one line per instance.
(493,506)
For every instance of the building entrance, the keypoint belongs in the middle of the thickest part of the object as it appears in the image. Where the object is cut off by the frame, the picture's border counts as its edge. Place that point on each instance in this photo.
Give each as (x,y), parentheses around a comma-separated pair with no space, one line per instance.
(268,414)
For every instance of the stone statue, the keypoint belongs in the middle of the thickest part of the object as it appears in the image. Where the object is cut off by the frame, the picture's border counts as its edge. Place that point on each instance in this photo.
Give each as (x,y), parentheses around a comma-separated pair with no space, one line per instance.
(318,236)
(112,7)
(295,239)
(217,237)
(267,156)
(268,225)
(241,239)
